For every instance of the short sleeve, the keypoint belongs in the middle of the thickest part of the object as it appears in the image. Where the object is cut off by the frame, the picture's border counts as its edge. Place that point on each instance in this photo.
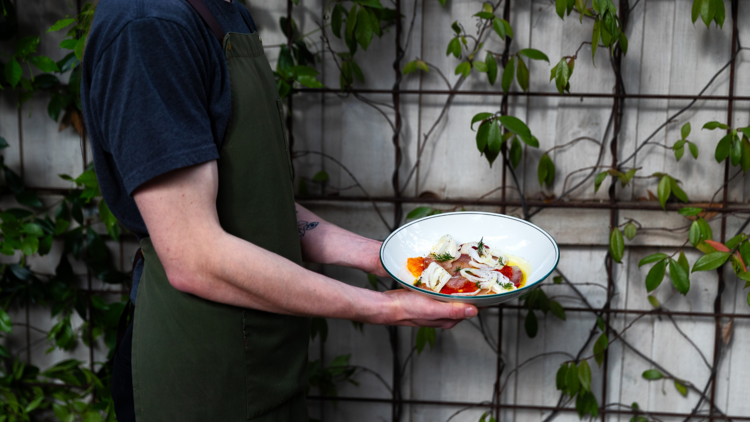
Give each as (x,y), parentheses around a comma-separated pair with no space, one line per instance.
(149,95)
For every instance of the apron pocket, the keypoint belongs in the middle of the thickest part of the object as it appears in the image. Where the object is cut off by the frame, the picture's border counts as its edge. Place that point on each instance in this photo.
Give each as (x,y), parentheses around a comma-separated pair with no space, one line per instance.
(280,108)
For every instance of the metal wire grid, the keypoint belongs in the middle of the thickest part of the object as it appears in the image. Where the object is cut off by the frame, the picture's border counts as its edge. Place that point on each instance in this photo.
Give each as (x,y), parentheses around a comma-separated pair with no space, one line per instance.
(613,205)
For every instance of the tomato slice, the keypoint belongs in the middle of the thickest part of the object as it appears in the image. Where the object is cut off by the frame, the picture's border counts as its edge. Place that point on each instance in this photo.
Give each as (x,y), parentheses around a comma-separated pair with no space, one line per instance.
(415,266)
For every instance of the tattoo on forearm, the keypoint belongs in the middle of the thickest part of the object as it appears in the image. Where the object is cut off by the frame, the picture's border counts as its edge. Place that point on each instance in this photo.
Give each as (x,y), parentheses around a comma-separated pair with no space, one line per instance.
(304,226)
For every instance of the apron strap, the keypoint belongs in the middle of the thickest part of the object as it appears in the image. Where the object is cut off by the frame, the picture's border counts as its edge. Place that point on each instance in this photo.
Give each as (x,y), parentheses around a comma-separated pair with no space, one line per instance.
(208,18)
(127,314)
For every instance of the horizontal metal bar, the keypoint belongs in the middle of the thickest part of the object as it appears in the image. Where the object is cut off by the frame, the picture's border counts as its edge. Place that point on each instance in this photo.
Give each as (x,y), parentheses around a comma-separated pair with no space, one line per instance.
(521,94)
(625,205)
(646,312)
(509,406)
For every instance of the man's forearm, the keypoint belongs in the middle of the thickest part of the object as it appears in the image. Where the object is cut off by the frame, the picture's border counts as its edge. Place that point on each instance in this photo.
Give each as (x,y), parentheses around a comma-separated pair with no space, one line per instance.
(325,243)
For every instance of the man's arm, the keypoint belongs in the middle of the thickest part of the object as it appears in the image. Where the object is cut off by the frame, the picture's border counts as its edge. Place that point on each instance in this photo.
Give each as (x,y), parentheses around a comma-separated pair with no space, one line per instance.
(200,258)
(325,243)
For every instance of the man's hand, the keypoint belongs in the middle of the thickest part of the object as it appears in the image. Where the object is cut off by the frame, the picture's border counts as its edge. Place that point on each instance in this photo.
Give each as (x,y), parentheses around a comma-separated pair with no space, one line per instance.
(200,258)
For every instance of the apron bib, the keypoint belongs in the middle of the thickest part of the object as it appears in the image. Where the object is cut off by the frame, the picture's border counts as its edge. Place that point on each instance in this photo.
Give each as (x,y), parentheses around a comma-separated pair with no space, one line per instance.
(197,360)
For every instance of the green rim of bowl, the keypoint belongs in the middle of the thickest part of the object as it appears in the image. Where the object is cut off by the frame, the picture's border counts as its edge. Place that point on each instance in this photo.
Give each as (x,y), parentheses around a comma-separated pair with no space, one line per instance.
(393,276)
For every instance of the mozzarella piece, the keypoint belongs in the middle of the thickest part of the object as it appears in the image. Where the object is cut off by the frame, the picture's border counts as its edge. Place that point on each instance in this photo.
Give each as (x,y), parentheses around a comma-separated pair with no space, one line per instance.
(435,277)
(446,244)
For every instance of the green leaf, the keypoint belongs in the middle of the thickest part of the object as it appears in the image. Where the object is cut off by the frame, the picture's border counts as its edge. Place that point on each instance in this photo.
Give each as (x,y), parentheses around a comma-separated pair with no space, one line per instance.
(45,64)
(63,23)
(543,169)
(584,375)
(454,47)
(735,152)
(562,372)
(351,22)
(708,11)
(410,67)
(681,388)
(572,381)
(652,374)
(495,138)
(30,245)
(654,301)
(463,69)
(560,7)
(534,54)
(678,152)
(516,150)
(623,43)
(13,72)
(480,117)
(483,134)
(321,176)
(664,190)
(696,10)
(693,150)
(677,191)
(690,211)
(616,245)
(557,309)
(652,258)
(479,66)
(310,81)
(79,48)
(722,148)
(561,76)
(630,231)
(92,416)
(522,75)
(745,252)
(508,74)
(508,28)
(679,277)
(515,125)
(683,262)
(655,276)
(491,68)
(484,15)
(499,28)
(364,31)
(418,213)
(33,229)
(595,39)
(336,19)
(3,143)
(30,199)
(531,324)
(599,347)
(425,335)
(420,64)
(370,3)
(685,131)
(599,179)
(530,140)
(720,13)
(710,261)
(456,27)
(6,325)
(706,233)
(745,155)
(715,125)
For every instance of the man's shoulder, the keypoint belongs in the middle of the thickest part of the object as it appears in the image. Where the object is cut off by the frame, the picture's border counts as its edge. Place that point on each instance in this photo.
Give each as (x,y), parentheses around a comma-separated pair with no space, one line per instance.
(118,13)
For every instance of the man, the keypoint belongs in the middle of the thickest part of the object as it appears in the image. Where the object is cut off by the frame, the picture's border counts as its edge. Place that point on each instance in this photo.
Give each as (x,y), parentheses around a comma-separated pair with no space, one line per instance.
(189,147)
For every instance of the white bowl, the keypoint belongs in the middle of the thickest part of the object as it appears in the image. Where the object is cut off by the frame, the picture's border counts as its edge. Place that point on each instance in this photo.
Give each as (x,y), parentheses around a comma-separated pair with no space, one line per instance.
(513,235)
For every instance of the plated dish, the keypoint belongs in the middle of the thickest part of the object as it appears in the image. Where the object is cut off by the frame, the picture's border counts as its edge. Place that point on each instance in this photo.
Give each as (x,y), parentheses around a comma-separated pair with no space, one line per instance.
(524,244)
(468,269)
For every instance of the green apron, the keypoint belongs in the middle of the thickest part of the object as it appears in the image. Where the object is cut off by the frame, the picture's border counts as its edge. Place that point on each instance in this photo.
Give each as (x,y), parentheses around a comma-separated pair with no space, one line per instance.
(197,360)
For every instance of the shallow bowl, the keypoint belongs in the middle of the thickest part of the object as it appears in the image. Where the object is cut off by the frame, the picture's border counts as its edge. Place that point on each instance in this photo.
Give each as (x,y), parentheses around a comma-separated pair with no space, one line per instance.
(513,235)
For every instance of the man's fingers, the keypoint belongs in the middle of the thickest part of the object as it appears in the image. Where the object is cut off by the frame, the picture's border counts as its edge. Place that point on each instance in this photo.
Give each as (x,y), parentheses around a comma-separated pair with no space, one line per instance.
(462,311)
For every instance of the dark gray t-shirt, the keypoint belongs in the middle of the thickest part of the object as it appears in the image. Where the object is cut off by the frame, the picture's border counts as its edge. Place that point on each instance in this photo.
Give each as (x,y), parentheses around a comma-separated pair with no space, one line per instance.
(155,94)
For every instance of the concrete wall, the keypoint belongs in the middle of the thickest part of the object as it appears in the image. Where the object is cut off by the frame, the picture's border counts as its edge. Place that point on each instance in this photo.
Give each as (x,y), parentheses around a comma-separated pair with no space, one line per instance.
(667,55)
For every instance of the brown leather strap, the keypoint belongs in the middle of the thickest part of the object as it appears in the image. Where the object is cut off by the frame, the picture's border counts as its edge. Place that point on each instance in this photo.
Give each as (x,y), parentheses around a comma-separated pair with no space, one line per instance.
(208,18)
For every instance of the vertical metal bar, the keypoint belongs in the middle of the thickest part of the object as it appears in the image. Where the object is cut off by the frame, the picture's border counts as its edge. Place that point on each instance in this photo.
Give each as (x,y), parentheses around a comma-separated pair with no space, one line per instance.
(504,111)
(724,202)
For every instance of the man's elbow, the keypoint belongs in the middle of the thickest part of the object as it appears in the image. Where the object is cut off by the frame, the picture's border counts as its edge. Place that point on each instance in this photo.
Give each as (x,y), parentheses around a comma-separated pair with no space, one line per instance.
(187,277)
